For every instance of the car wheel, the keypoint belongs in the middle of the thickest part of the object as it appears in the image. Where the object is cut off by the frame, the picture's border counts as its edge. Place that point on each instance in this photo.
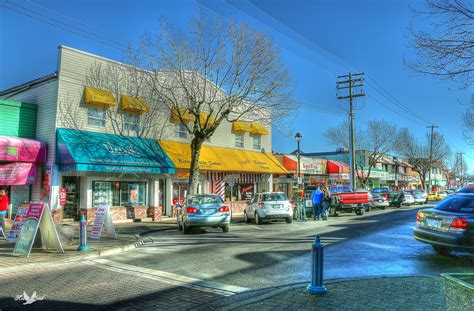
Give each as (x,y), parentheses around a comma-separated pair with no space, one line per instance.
(359,212)
(226,229)
(441,250)
(258,220)
(382,207)
(246,218)
(186,230)
(289,220)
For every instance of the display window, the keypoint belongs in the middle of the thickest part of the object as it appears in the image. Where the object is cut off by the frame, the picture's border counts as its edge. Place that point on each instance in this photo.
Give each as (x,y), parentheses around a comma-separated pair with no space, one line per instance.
(240,192)
(119,193)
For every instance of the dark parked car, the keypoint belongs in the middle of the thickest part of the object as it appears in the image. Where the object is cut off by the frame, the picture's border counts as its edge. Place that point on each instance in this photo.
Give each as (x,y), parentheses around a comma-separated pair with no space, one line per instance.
(449,226)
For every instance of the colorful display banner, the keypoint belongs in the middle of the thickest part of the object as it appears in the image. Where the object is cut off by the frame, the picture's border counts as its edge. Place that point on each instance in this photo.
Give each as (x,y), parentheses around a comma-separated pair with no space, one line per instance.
(17,222)
(103,220)
(17,173)
(38,217)
(62,196)
(15,149)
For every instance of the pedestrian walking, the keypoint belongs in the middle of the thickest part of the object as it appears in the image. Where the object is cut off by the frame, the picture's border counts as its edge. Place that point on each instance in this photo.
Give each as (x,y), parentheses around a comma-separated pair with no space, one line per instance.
(317,199)
(326,203)
(3,207)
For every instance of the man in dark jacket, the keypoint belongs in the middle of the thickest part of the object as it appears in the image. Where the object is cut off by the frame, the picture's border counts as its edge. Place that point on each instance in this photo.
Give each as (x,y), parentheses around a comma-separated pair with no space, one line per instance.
(317,199)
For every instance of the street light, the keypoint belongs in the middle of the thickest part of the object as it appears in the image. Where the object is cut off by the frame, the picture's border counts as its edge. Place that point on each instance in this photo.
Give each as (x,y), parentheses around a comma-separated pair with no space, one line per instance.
(298,137)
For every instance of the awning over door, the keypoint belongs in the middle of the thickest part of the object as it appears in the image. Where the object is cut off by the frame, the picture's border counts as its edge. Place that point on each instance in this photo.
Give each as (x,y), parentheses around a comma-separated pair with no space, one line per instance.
(99,152)
(223,159)
(15,149)
(307,165)
(337,167)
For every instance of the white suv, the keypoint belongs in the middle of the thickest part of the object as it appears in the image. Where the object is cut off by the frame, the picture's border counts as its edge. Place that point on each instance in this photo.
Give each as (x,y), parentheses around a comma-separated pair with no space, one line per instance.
(268,205)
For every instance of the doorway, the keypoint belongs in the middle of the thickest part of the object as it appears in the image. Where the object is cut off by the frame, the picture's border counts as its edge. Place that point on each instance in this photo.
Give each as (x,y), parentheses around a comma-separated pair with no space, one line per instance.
(72,207)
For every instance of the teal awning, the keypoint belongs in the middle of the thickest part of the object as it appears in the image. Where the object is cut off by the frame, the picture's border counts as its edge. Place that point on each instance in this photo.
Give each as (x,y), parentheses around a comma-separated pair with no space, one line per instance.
(99,152)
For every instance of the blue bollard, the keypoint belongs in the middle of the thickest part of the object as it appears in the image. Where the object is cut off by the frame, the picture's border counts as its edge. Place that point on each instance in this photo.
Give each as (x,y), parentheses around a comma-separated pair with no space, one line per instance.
(83,235)
(316,287)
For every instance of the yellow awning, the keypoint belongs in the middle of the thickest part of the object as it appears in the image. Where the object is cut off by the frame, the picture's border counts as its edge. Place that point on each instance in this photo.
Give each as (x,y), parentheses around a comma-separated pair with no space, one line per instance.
(223,159)
(98,98)
(259,129)
(185,115)
(241,126)
(203,118)
(134,104)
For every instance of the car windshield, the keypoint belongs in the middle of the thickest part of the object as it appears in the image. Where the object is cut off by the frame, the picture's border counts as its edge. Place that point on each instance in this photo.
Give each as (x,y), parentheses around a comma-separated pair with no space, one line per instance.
(274,197)
(466,190)
(340,189)
(457,204)
(204,199)
(376,195)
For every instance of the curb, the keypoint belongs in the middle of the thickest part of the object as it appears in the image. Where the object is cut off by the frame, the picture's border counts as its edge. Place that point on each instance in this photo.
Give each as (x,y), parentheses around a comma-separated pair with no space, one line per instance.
(60,262)
(269,292)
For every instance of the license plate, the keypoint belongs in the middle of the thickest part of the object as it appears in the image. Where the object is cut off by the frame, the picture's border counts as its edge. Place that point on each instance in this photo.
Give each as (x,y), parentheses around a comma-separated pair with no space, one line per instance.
(208,211)
(433,223)
(277,206)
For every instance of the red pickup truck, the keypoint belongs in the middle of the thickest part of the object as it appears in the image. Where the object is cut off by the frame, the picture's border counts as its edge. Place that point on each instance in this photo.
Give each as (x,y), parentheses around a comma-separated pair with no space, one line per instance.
(348,201)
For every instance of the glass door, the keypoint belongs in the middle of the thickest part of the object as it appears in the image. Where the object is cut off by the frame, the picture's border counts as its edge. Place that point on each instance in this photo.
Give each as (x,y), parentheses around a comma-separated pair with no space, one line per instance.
(72,207)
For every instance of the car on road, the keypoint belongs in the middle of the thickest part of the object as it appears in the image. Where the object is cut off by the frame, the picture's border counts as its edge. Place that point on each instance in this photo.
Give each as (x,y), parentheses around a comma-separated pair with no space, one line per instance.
(407,198)
(420,196)
(379,201)
(437,196)
(268,206)
(346,200)
(203,211)
(449,226)
(467,189)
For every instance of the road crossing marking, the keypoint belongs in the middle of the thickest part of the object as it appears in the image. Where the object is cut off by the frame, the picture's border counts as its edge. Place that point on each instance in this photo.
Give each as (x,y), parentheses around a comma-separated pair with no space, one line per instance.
(167,277)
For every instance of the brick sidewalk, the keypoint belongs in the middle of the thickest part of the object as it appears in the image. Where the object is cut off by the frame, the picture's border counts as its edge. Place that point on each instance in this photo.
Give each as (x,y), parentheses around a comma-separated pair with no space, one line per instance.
(129,236)
(380,293)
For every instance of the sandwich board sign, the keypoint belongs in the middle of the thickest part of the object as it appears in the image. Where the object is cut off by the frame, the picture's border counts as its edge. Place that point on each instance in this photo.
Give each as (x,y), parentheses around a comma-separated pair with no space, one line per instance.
(18,221)
(103,220)
(38,217)
(2,234)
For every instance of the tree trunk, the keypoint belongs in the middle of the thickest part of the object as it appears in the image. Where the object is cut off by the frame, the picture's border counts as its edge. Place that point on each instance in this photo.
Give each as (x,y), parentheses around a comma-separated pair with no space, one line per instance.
(196,145)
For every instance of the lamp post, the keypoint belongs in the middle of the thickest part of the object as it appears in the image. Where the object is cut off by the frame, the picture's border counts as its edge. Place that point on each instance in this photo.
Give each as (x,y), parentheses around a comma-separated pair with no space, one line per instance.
(298,137)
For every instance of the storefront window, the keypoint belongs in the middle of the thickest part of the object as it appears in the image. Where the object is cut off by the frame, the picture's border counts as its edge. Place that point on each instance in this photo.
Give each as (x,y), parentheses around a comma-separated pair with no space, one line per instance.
(96,117)
(119,193)
(180,191)
(240,192)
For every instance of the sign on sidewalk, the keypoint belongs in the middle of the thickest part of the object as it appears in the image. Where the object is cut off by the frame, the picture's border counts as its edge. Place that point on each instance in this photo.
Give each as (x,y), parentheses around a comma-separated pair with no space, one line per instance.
(103,220)
(38,216)
(17,222)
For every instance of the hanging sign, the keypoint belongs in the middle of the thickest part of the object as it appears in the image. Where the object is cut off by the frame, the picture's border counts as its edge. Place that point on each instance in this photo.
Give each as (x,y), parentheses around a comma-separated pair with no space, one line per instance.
(17,222)
(103,220)
(38,216)
(62,196)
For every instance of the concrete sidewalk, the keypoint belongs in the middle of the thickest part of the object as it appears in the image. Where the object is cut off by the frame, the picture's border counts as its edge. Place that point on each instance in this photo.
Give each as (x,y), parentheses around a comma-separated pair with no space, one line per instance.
(378,293)
(129,236)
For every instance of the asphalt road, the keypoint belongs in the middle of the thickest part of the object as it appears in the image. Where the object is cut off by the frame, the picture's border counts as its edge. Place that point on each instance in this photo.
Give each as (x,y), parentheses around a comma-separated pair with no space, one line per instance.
(251,256)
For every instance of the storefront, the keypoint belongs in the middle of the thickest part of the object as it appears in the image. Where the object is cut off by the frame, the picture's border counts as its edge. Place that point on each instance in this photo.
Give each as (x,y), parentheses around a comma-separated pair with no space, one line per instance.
(338,172)
(234,174)
(313,172)
(21,162)
(126,173)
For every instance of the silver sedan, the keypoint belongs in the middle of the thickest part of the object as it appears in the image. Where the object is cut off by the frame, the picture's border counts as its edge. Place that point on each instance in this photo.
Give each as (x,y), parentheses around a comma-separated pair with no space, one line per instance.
(203,211)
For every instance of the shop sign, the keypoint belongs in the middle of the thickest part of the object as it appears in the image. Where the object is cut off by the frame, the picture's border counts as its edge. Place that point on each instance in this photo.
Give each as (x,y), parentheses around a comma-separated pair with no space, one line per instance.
(17,173)
(17,222)
(62,196)
(247,192)
(103,220)
(182,174)
(38,217)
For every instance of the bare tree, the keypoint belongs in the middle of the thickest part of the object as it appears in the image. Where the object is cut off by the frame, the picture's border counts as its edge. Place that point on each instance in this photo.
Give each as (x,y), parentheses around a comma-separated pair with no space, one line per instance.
(418,153)
(216,71)
(372,144)
(457,167)
(446,49)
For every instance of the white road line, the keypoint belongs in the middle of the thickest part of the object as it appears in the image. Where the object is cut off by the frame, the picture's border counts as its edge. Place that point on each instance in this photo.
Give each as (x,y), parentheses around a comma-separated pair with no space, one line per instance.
(167,277)
(255,227)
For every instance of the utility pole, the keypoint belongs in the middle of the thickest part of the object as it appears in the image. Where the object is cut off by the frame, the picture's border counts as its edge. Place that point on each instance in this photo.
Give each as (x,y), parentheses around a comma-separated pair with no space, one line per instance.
(431,155)
(462,175)
(351,84)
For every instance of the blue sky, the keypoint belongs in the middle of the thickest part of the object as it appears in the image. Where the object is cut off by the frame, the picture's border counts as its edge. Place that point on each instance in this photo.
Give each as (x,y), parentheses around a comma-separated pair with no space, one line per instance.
(319,40)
